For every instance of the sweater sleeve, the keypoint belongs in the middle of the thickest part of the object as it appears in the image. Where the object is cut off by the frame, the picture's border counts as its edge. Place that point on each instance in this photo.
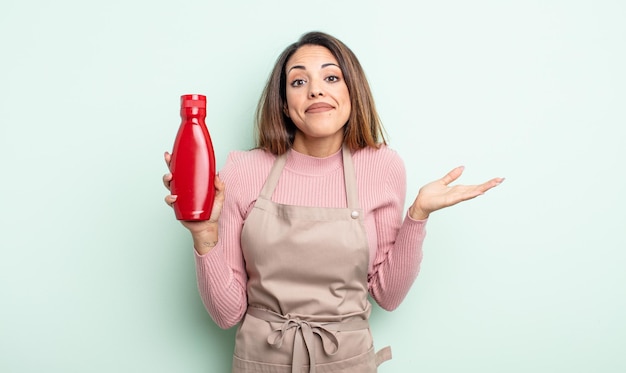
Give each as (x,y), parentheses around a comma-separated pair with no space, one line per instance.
(221,273)
(399,252)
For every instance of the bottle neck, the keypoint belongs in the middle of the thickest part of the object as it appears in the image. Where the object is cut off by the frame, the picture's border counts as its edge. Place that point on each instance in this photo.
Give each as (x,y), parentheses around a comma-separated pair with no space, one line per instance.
(194,114)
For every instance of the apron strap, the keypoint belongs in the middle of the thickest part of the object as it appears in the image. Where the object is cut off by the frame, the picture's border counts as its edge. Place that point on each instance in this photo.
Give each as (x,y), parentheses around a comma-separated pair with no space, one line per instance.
(383,355)
(349,175)
(272,179)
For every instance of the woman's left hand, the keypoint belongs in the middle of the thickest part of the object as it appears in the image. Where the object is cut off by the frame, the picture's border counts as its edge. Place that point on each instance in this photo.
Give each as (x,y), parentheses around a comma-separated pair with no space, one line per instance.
(438,194)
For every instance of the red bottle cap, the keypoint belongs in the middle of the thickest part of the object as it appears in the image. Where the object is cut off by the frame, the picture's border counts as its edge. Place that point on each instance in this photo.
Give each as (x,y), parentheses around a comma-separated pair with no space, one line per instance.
(193,100)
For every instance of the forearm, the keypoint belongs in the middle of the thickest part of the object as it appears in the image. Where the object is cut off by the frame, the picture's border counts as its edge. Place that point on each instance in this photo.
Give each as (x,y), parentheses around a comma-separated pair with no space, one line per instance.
(398,265)
(220,269)
(221,286)
(206,239)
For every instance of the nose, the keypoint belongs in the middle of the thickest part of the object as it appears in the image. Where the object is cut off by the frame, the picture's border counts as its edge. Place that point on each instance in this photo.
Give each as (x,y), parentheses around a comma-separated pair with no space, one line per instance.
(315,90)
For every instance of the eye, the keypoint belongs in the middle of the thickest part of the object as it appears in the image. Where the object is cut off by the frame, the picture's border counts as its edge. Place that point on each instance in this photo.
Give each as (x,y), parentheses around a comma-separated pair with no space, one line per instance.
(298,82)
(332,78)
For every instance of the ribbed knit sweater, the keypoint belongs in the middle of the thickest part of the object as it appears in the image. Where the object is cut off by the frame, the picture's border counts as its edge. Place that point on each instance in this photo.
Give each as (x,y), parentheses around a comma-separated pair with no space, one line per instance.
(395,240)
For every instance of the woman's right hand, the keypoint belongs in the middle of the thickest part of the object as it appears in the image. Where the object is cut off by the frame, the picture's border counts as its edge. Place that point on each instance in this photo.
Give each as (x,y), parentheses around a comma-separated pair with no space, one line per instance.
(204,232)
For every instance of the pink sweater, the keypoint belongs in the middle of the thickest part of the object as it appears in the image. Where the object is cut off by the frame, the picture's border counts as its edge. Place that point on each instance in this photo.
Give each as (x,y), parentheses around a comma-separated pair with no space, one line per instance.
(395,240)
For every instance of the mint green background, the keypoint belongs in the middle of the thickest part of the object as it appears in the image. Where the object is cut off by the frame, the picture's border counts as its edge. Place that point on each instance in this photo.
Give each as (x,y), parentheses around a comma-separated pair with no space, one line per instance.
(97,276)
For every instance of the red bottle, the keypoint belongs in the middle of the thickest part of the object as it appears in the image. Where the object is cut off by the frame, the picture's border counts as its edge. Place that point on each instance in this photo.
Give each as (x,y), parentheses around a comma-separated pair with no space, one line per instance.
(193,162)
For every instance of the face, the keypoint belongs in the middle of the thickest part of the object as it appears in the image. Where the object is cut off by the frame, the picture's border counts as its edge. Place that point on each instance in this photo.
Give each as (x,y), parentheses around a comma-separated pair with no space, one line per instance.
(318,101)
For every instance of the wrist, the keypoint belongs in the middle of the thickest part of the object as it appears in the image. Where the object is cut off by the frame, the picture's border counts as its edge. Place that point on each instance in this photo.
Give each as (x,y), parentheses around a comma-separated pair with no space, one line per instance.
(203,246)
(204,240)
(417,213)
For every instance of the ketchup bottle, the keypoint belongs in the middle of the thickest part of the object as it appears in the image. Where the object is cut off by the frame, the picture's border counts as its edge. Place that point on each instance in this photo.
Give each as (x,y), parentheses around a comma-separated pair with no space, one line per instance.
(193,162)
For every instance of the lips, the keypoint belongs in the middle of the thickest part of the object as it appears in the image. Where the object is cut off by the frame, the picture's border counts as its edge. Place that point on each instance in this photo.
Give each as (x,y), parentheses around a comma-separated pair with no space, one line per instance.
(319,107)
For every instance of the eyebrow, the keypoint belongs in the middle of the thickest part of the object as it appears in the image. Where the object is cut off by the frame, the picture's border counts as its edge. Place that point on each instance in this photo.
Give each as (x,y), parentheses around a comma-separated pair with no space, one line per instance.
(301,67)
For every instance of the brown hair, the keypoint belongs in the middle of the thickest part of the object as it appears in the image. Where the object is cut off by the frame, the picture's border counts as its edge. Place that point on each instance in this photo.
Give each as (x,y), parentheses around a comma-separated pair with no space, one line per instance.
(275,131)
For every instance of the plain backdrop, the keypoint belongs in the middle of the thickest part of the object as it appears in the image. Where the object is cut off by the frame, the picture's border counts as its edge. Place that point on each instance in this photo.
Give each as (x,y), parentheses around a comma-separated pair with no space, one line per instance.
(97,275)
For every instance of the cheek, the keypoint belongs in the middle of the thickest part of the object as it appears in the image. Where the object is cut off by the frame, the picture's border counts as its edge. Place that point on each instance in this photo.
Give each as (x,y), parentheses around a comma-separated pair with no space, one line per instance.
(347,103)
(294,104)
(291,101)
(346,95)
(292,114)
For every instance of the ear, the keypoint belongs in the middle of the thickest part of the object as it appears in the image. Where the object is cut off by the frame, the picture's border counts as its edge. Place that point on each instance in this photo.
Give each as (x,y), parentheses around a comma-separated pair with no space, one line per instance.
(286,110)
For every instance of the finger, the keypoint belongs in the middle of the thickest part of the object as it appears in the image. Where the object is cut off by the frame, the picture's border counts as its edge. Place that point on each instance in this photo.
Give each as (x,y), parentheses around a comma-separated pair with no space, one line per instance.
(465,192)
(219,184)
(218,201)
(168,158)
(170,199)
(167,178)
(452,175)
(490,184)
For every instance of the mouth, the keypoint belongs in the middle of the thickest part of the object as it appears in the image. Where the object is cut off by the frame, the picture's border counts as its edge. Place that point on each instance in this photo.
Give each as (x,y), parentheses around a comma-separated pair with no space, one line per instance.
(319,108)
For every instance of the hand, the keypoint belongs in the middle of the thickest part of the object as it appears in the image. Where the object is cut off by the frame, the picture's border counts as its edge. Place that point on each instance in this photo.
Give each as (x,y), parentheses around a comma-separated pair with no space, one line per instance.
(438,194)
(198,227)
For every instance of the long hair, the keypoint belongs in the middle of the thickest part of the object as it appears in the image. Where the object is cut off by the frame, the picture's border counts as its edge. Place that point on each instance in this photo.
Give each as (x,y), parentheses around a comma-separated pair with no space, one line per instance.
(275,131)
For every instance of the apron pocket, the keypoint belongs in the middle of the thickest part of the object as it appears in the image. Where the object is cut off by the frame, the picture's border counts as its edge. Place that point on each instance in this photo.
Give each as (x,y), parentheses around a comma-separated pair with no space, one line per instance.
(364,363)
(245,366)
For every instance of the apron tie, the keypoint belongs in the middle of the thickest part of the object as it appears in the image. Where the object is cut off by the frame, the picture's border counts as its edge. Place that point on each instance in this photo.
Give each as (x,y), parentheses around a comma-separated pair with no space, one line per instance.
(303,338)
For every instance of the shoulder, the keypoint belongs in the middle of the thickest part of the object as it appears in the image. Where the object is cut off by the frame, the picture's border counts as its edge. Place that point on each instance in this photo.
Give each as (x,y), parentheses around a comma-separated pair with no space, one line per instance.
(380,172)
(250,166)
(382,158)
(250,158)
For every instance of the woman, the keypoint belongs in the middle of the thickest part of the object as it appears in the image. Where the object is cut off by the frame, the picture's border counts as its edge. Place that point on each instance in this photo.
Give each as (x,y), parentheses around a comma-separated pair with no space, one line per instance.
(310,222)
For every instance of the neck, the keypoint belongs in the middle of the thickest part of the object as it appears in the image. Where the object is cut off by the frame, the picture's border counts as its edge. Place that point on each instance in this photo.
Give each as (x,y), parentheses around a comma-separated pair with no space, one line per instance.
(319,148)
